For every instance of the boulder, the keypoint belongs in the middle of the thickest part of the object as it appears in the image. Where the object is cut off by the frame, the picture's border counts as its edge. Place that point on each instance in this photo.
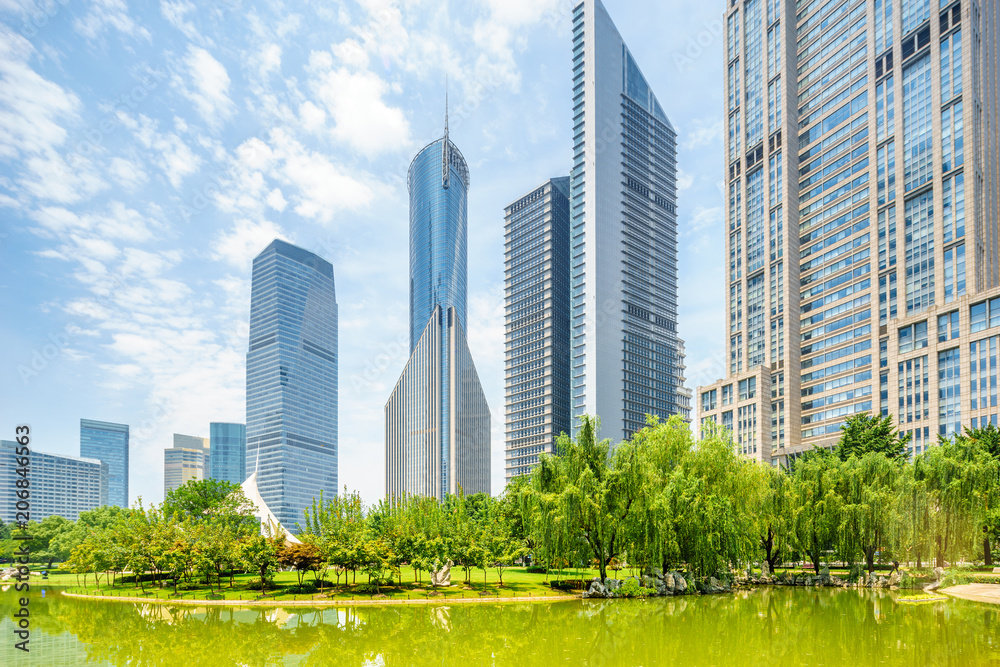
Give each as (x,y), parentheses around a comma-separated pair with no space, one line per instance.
(680,583)
(938,573)
(668,582)
(894,579)
(613,585)
(714,586)
(596,589)
(824,572)
(651,582)
(652,572)
(765,569)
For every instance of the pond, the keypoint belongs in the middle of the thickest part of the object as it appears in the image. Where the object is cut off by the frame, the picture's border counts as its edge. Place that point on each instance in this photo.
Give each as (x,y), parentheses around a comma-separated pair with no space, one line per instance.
(771,627)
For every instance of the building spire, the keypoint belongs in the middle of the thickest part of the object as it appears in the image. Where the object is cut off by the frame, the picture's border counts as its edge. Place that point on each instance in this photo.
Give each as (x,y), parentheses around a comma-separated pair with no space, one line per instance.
(445,149)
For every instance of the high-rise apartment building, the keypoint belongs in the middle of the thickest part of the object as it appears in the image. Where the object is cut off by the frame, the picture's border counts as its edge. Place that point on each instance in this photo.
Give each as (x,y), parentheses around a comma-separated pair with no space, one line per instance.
(851,228)
(537,331)
(437,422)
(108,442)
(60,485)
(626,359)
(228,452)
(188,460)
(292,380)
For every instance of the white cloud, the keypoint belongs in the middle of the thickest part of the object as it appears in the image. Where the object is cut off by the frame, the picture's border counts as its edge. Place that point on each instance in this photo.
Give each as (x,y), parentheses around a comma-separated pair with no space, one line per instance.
(52,178)
(104,14)
(361,117)
(276,200)
(176,13)
(313,118)
(270,60)
(31,107)
(211,86)
(522,12)
(244,241)
(174,157)
(702,133)
(126,173)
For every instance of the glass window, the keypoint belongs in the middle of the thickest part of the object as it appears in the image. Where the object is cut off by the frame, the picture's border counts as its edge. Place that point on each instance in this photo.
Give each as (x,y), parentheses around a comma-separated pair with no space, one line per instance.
(948,326)
(954,273)
(906,339)
(917,132)
(994,312)
(977,317)
(708,400)
(748,389)
(727,395)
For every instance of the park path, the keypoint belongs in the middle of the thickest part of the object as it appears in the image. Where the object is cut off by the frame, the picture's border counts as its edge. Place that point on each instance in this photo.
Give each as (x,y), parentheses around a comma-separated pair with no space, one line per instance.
(988,593)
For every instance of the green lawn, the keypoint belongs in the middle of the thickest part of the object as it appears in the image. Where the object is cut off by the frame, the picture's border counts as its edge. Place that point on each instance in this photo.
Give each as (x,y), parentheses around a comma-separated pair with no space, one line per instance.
(516,583)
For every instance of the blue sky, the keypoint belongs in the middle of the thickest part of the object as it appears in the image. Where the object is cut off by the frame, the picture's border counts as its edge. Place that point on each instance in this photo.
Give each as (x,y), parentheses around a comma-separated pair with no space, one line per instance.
(149,150)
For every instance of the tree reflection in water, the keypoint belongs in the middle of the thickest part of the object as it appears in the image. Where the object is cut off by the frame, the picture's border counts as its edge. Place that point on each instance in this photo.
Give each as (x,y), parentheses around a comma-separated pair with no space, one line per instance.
(769,626)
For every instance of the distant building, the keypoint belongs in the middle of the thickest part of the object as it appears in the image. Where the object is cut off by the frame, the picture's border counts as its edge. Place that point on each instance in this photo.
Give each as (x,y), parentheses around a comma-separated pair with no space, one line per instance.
(537,333)
(186,461)
(292,380)
(60,485)
(627,360)
(228,452)
(108,442)
(437,422)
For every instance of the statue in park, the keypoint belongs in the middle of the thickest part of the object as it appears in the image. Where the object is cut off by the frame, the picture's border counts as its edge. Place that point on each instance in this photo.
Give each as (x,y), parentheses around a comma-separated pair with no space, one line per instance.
(441,574)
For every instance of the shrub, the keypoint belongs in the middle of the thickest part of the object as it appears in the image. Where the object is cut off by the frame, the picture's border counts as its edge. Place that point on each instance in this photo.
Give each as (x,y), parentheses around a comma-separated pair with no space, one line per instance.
(536,569)
(254,584)
(307,588)
(632,589)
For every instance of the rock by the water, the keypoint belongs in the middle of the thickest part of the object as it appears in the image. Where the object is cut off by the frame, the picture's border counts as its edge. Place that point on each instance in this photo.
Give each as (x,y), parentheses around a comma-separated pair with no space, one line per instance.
(442,575)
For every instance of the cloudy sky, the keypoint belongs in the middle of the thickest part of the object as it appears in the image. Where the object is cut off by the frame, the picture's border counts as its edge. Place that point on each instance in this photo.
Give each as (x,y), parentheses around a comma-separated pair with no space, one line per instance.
(149,150)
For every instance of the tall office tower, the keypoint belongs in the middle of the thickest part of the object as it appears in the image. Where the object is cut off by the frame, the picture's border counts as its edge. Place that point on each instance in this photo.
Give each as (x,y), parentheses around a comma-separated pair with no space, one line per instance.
(188,460)
(437,422)
(626,355)
(108,442)
(847,218)
(228,452)
(292,380)
(536,305)
(60,485)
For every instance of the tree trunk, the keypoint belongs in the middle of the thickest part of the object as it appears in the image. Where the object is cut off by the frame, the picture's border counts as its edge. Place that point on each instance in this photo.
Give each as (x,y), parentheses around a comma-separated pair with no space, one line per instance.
(987,552)
(920,564)
(870,558)
(940,553)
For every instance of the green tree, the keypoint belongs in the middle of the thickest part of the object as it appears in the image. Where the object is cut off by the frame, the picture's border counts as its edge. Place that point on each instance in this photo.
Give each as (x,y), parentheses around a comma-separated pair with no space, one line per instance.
(866,432)
(815,504)
(302,558)
(259,554)
(869,487)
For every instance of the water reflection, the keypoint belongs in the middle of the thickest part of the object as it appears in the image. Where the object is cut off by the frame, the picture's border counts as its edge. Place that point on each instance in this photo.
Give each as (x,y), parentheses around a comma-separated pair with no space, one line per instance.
(772,626)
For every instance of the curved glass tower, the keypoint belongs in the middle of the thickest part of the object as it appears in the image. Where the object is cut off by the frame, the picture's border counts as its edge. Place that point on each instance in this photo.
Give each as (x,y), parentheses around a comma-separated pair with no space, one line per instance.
(437,422)
(291,432)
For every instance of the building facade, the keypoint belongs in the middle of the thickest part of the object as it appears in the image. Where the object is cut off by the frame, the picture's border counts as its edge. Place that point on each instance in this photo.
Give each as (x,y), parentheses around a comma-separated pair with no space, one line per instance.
(108,442)
(537,328)
(227,452)
(626,358)
(291,429)
(437,422)
(851,126)
(188,460)
(60,485)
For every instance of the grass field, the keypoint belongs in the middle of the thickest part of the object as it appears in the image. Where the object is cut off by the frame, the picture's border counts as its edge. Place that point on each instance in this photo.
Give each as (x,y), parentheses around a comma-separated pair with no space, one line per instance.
(516,583)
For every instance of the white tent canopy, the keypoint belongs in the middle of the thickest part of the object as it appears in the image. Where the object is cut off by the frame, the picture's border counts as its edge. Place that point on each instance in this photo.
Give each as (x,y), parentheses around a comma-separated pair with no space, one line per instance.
(269,524)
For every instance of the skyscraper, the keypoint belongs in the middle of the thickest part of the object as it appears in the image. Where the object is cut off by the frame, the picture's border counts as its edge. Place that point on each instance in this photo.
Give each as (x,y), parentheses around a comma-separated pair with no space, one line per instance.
(228,447)
(188,460)
(850,127)
(537,312)
(626,356)
(437,422)
(292,380)
(108,442)
(60,485)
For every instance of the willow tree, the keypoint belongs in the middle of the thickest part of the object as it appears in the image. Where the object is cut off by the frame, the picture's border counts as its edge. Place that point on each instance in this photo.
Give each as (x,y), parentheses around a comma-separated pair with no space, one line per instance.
(953,475)
(587,493)
(987,440)
(869,487)
(815,506)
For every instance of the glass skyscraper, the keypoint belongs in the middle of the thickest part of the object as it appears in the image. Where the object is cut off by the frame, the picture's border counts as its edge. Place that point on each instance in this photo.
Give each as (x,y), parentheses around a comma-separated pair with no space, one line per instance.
(108,442)
(537,312)
(850,226)
(627,360)
(60,485)
(228,452)
(292,380)
(437,422)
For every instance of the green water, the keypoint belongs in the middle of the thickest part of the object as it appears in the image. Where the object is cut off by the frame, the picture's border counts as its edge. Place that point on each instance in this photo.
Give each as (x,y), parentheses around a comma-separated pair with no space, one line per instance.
(770,627)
